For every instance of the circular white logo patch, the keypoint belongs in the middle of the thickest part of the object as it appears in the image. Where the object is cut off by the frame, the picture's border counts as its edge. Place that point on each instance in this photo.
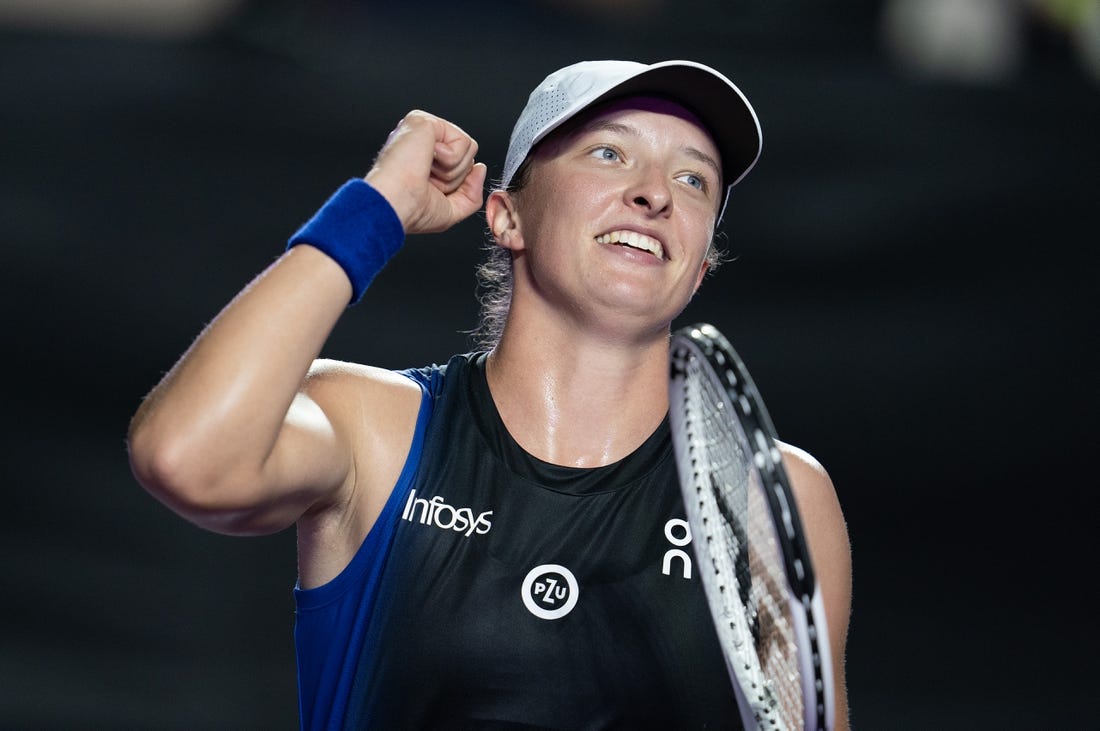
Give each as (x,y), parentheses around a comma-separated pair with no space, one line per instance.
(550,591)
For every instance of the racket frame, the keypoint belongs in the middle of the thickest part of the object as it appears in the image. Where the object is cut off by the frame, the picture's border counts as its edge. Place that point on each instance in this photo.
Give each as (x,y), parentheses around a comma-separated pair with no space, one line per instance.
(743,402)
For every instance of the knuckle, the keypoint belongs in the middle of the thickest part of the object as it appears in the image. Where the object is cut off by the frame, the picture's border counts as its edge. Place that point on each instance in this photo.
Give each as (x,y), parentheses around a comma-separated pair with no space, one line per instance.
(418,118)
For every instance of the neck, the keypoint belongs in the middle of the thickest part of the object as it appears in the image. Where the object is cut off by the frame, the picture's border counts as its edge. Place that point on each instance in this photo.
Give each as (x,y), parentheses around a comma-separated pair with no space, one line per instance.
(578,398)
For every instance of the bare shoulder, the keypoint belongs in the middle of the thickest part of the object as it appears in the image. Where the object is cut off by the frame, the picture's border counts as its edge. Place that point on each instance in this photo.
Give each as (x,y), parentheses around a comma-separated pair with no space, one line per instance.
(827,533)
(375,410)
(819,508)
(812,485)
(336,375)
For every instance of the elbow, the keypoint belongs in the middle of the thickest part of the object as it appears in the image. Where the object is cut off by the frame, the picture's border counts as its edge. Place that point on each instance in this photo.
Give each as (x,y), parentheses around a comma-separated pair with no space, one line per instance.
(184,477)
(156,462)
(167,468)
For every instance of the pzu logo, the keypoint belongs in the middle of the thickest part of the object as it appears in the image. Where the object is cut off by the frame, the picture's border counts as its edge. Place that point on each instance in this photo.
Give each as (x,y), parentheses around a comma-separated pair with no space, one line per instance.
(550,591)
(678,552)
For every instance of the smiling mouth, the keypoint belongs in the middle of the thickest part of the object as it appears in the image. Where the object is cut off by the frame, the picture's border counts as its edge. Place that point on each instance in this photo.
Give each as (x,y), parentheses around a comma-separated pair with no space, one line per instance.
(634,240)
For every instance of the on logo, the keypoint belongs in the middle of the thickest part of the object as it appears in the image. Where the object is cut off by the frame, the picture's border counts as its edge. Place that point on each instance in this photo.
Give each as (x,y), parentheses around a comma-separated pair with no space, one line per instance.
(677,553)
(550,591)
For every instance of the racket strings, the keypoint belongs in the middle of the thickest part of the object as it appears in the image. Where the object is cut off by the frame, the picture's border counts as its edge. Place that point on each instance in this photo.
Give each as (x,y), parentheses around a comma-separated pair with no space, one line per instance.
(731,516)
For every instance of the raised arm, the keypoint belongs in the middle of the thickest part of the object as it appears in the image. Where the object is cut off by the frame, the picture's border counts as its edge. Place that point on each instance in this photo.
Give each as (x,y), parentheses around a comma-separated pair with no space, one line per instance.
(247,433)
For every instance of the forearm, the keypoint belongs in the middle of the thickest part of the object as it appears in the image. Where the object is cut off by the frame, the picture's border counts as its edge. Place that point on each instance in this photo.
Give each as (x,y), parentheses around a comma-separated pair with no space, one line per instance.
(218,412)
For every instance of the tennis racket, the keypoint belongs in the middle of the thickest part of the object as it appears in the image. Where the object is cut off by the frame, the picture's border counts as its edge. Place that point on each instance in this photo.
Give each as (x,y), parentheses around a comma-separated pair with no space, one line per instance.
(753,556)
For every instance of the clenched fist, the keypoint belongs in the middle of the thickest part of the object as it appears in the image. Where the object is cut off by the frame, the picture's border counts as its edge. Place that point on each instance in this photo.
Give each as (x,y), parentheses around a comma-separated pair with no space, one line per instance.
(426,171)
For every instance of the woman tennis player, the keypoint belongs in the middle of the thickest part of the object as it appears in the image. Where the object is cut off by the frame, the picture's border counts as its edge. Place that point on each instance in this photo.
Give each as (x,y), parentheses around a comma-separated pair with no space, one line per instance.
(498,541)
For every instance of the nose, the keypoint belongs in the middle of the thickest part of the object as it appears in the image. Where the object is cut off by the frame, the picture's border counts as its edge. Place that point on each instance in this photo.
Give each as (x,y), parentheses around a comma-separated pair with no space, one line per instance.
(650,192)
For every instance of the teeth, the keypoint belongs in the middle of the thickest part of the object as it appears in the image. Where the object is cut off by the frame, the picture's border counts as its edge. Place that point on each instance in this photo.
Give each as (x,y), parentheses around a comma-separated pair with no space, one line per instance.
(634,240)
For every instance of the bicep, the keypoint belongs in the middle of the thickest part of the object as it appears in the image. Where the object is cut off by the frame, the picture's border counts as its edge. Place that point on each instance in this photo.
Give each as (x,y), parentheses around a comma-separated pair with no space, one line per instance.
(308,464)
(333,447)
(370,438)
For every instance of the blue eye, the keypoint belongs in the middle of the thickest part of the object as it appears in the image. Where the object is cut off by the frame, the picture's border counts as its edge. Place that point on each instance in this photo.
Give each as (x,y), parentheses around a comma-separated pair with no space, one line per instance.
(606,153)
(694,181)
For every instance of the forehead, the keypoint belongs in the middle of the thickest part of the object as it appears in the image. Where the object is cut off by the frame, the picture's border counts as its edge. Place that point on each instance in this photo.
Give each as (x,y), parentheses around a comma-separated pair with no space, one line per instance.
(651,112)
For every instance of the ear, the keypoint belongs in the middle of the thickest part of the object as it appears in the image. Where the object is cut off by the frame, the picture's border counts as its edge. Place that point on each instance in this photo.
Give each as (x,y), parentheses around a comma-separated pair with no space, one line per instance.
(503,219)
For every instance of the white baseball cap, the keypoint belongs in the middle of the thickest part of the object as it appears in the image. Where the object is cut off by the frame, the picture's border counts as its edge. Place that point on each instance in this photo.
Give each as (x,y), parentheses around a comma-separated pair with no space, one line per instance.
(717,102)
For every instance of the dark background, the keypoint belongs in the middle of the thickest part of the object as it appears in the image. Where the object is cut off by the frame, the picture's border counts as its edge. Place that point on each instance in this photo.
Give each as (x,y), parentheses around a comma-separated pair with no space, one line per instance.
(914,292)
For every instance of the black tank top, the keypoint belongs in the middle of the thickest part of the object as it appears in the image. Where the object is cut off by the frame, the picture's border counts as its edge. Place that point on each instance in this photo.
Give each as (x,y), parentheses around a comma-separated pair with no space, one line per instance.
(521,594)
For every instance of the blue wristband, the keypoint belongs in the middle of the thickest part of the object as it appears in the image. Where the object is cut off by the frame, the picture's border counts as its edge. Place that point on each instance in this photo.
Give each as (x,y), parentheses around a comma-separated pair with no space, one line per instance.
(359,229)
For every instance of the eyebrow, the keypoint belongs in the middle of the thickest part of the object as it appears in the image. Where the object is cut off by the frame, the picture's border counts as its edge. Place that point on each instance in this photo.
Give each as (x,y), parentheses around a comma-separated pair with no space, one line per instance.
(603,125)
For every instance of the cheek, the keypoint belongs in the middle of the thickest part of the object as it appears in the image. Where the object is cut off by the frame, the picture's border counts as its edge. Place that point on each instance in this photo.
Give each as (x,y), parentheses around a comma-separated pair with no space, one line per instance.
(700,231)
(564,208)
